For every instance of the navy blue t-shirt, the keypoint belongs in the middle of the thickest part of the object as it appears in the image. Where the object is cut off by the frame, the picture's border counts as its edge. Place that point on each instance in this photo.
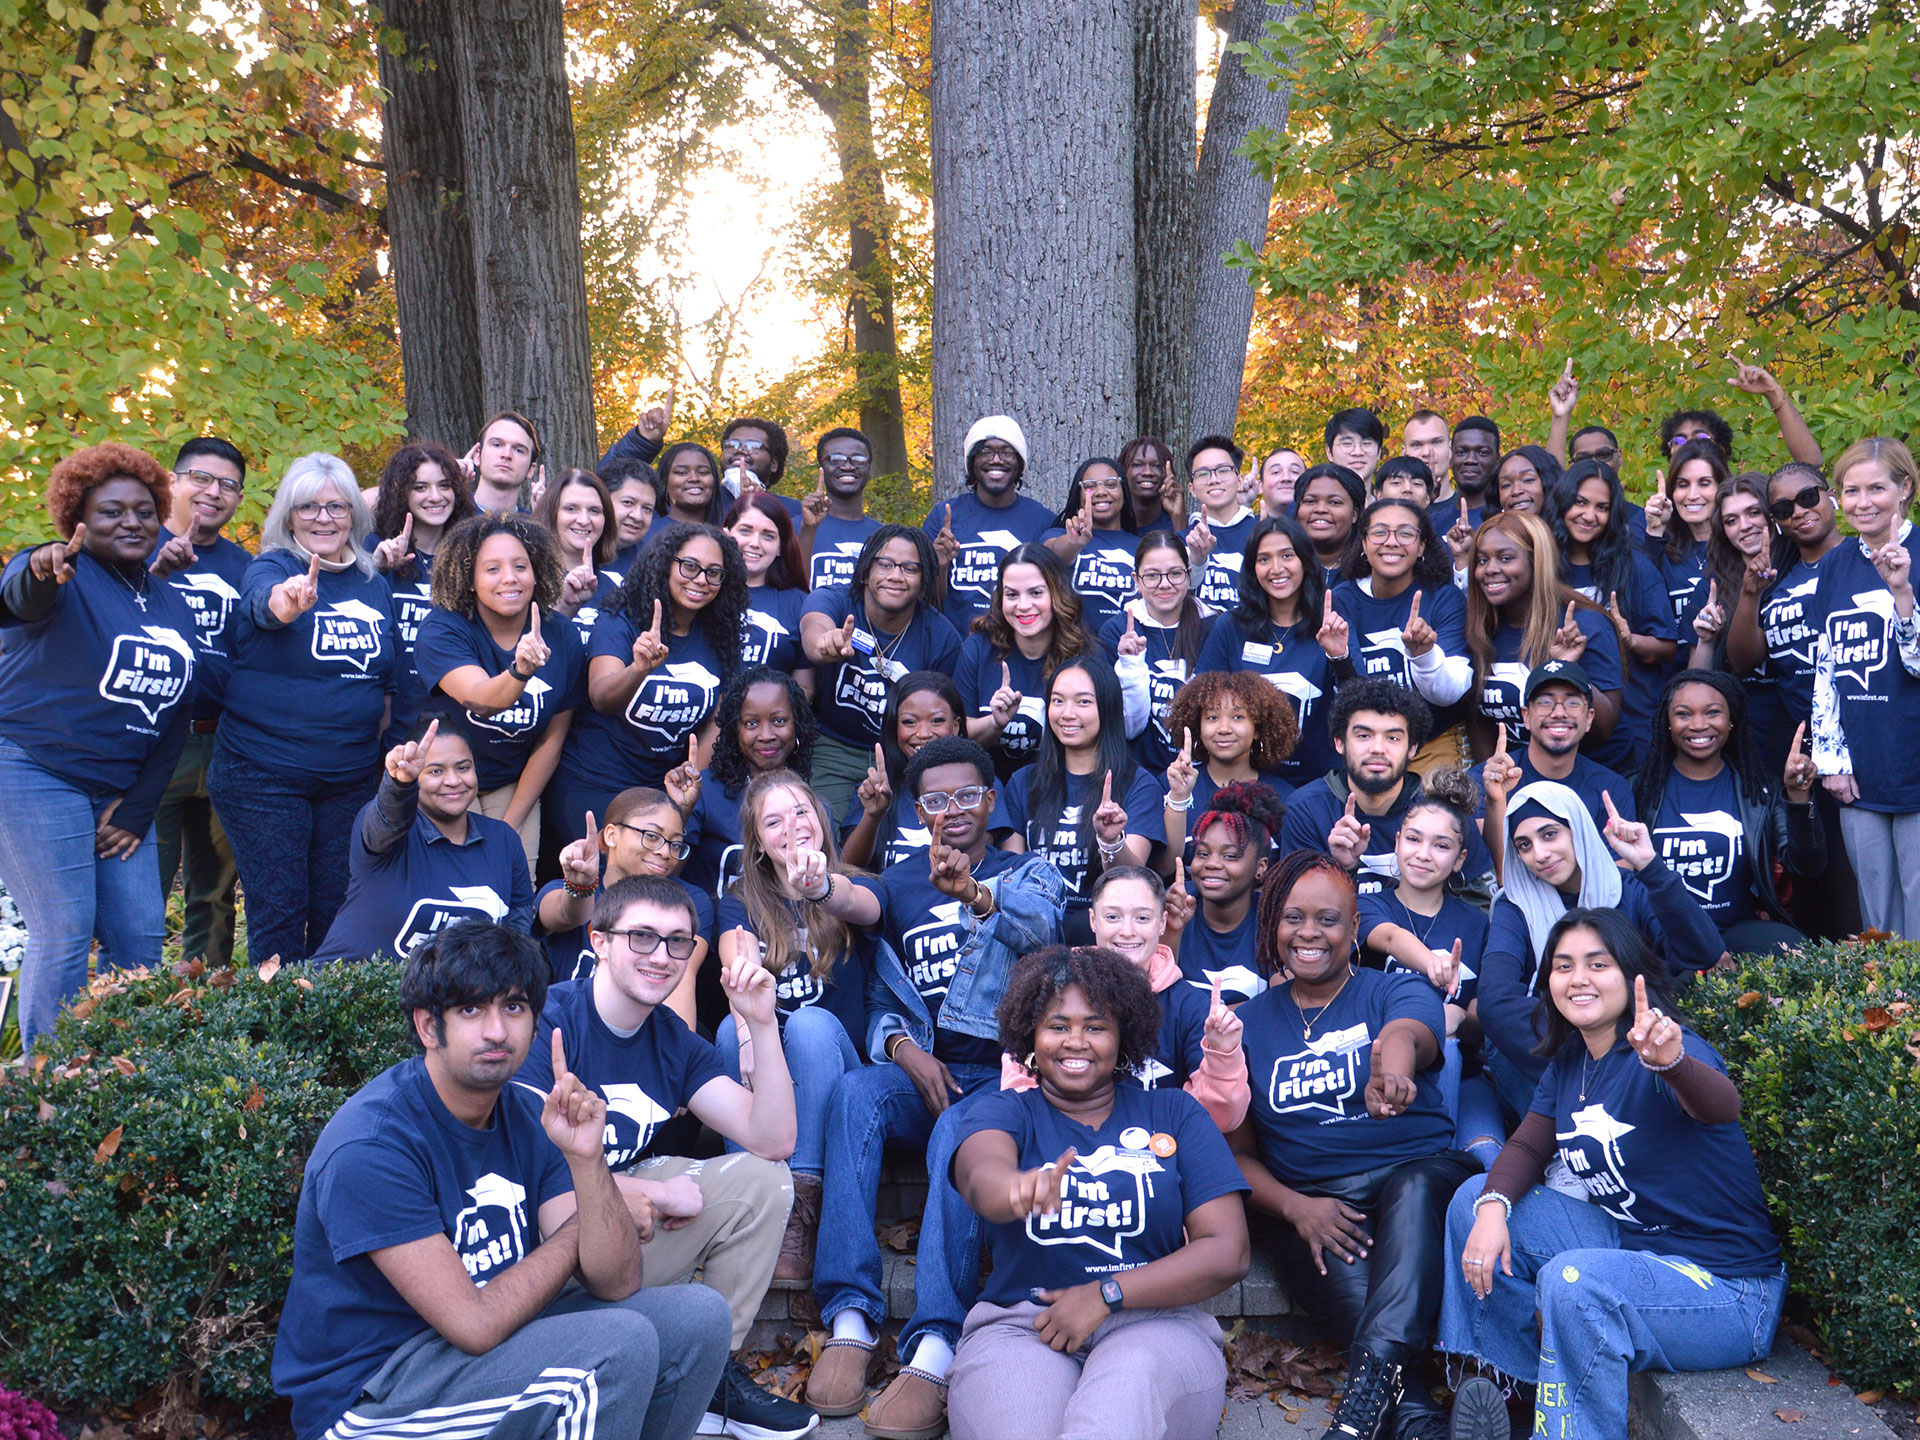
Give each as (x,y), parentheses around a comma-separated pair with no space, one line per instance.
(649,738)
(1207,954)
(837,545)
(1102,575)
(1179,1053)
(1648,612)
(1876,697)
(977,675)
(842,994)
(1506,679)
(925,928)
(1456,920)
(394,1165)
(1686,582)
(1298,669)
(1313,809)
(1675,1186)
(1375,624)
(211,588)
(608,587)
(412,602)
(986,535)
(1790,622)
(569,952)
(713,829)
(644,1077)
(504,739)
(99,691)
(1309,1094)
(1443,513)
(1219,583)
(1068,844)
(1588,779)
(1154,746)
(1134,1180)
(306,699)
(426,883)
(850,697)
(1698,833)
(773,629)
(902,831)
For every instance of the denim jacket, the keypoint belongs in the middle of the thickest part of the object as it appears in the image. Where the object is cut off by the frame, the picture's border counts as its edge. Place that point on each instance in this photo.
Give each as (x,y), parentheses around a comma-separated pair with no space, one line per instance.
(1027,916)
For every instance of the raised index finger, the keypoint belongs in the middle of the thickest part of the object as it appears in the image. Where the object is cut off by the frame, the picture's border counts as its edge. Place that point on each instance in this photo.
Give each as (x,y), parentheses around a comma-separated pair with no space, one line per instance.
(426,740)
(1500,739)
(1606,797)
(559,1059)
(1413,611)
(535,612)
(1215,1006)
(1642,1009)
(313,570)
(79,538)
(1569,620)
(655,629)
(1106,790)
(1006,676)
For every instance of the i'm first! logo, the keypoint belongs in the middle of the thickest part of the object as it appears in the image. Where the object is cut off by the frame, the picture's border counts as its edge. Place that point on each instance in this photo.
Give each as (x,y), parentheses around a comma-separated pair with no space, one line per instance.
(350,632)
(149,671)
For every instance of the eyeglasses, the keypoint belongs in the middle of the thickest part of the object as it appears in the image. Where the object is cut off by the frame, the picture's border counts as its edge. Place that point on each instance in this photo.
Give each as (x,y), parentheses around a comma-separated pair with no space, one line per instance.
(1565,704)
(997,452)
(1405,534)
(744,447)
(1162,579)
(938,802)
(207,477)
(1686,437)
(1101,482)
(1807,499)
(883,565)
(333,510)
(691,569)
(653,840)
(1218,472)
(1353,443)
(850,459)
(645,942)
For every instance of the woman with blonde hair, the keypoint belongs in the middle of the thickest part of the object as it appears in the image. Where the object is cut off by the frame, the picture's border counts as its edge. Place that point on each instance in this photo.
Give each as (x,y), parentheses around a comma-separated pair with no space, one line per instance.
(819,964)
(314,663)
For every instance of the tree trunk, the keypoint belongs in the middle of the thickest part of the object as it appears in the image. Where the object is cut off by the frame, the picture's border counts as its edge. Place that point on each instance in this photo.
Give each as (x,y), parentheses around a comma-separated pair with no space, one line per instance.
(876,343)
(1231,205)
(1033,252)
(523,194)
(1163,228)
(432,242)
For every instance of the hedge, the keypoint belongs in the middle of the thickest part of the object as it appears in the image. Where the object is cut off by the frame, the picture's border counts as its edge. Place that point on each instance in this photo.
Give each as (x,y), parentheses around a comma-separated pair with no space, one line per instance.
(1826,1046)
(150,1163)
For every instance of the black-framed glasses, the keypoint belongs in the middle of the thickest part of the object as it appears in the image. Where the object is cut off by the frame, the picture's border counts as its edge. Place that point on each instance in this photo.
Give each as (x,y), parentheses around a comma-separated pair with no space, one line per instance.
(1156,579)
(938,802)
(691,569)
(886,565)
(1807,499)
(846,459)
(645,942)
(1380,534)
(994,450)
(333,510)
(744,447)
(1217,472)
(207,477)
(653,840)
(1564,704)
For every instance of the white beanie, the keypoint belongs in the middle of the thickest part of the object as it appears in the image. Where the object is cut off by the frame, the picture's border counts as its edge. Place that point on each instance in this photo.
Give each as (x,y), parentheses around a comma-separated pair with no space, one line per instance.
(996,427)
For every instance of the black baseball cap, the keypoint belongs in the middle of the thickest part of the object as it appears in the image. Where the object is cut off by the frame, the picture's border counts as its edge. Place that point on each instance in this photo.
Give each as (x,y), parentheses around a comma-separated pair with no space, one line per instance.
(1557,672)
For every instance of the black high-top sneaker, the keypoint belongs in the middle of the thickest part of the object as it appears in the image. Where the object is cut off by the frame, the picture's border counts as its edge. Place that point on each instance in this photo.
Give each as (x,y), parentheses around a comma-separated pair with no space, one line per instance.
(1373,1387)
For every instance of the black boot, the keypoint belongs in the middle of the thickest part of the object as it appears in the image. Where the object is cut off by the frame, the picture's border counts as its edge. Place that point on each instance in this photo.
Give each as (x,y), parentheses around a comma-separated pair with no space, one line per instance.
(1479,1411)
(1373,1387)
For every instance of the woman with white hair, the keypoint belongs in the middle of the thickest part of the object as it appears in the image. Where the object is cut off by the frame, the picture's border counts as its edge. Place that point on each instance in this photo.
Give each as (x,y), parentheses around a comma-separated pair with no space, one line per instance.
(313,678)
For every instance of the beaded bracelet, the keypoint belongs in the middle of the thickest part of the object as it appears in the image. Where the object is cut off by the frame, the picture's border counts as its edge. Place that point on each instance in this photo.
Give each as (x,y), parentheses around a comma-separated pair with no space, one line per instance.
(580,892)
(1662,1069)
(1495,1195)
(1173,804)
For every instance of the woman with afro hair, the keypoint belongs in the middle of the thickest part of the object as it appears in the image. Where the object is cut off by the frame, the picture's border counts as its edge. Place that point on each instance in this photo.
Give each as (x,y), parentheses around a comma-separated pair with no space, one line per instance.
(1115,1213)
(96,660)
(1240,732)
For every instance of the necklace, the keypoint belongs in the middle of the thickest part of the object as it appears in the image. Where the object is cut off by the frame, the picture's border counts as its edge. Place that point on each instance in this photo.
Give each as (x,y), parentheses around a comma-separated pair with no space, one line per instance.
(1432,920)
(1306,1025)
(139,592)
(1587,1068)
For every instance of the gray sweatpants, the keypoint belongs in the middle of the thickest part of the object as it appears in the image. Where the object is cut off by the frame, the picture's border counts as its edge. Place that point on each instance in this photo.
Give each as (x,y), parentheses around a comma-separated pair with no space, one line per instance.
(1143,1375)
(583,1368)
(1885,851)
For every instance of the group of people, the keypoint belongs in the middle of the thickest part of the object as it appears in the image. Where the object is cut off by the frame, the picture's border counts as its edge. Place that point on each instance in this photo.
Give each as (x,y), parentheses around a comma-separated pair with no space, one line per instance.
(1384,805)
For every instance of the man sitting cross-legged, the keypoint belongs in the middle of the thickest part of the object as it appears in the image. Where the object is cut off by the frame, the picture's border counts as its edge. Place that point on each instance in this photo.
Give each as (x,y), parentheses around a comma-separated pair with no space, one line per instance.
(722,1217)
(439,1229)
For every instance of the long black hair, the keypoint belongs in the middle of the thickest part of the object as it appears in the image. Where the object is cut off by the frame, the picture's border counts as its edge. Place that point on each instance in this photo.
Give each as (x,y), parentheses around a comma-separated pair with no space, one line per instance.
(1432,568)
(1637,961)
(730,764)
(1545,464)
(1740,754)
(933,575)
(721,620)
(1611,565)
(1190,633)
(1253,614)
(1047,790)
(716,503)
(1072,507)
(917,682)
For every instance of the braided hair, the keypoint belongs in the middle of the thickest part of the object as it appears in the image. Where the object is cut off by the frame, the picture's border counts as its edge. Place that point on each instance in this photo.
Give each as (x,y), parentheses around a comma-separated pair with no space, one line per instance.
(1245,807)
(730,764)
(1289,871)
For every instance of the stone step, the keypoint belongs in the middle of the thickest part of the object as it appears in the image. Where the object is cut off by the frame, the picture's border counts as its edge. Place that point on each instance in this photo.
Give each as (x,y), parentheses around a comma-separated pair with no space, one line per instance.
(1731,1405)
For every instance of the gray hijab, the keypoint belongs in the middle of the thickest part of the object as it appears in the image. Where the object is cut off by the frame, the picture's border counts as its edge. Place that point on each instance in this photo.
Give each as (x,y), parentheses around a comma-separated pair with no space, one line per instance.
(1539,902)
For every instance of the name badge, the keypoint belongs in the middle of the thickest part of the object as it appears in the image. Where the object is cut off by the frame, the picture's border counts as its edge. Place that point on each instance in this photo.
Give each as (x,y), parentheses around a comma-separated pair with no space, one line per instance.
(1254,654)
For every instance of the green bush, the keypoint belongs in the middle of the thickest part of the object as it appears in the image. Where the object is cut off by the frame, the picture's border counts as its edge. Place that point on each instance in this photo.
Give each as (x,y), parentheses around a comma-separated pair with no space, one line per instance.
(1826,1047)
(150,1164)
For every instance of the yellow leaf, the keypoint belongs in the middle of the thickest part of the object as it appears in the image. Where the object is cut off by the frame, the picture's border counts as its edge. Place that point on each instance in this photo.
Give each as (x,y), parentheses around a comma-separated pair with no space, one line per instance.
(1871,1397)
(1763,1377)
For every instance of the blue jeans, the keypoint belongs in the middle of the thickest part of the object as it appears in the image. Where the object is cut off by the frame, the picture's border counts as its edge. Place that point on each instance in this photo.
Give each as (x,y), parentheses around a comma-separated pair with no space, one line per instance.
(1604,1311)
(291,837)
(1512,1084)
(191,835)
(1479,1128)
(818,1053)
(67,895)
(871,1106)
(946,1271)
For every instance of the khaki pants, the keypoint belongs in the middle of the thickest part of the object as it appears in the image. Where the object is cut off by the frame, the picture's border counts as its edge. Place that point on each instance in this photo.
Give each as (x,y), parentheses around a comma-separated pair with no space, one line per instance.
(734,1241)
(493,804)
(1449,747)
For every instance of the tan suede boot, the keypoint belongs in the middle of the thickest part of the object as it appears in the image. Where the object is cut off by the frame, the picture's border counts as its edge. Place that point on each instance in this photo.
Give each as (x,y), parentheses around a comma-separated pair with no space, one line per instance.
(795,1265)
(838,1385)
(913,1407)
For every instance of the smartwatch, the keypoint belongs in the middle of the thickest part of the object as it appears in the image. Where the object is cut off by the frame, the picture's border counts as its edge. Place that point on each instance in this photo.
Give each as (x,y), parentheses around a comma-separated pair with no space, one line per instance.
(1110,1292)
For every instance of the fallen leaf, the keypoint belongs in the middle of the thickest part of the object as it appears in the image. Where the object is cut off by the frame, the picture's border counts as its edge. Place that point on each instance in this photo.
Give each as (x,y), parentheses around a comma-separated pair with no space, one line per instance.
(303,982)
(39,1063)
(56,1188)
(902,1236)
(256,1097)
(1898,1007)
(1749,1000)
(243,1132)
(85,1007)
(1763,1377)
(1790,1417)
(270,968)
(46,1111)
(221,980)
(125,1066)
(1913,1047)
(110,1146)
(1871,1397)
(1875,1019)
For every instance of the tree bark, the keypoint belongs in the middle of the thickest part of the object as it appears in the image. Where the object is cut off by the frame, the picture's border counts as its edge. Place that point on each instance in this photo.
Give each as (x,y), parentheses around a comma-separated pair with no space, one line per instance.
(523,195)
(1033,252)
(1231,204)
(1163,223)
(876,346)
(432,242)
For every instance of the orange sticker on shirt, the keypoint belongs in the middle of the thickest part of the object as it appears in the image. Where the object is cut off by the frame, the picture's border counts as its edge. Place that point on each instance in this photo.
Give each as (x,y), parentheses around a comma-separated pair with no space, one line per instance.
(1163,1144)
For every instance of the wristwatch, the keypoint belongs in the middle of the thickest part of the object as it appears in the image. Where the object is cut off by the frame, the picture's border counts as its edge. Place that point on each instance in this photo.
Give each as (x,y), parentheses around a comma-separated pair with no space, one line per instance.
(1110,1292)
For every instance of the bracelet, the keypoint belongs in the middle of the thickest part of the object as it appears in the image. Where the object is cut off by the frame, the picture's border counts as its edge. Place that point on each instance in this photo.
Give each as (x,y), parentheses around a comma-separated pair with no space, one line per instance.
(1173,804)
(894,1044)
(1495,1196)
(824,896)
(580,892)
(1662,1069)
(1106,852)
(514,670)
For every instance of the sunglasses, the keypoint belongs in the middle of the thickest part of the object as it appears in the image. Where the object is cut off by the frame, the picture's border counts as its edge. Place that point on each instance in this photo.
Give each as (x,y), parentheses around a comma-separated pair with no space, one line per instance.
(1807,499)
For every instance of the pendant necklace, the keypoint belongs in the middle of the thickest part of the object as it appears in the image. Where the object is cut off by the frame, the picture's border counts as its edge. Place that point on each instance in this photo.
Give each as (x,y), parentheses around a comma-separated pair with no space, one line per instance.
(1306,1025)
(139,592)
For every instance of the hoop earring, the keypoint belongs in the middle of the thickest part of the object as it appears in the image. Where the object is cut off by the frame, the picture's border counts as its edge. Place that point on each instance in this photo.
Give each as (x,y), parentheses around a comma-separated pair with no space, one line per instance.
(1028,1062)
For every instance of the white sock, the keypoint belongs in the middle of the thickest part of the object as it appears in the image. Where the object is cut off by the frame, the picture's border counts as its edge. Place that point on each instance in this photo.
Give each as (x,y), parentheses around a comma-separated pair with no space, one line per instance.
(852,1325)
(933,1355)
